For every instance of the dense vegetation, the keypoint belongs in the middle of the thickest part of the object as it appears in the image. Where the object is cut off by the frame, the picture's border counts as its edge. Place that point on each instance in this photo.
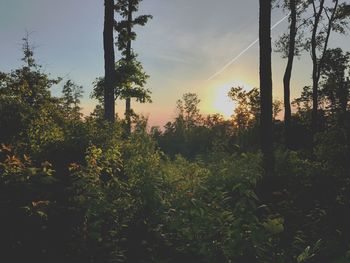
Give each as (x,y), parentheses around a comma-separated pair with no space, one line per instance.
(79,188)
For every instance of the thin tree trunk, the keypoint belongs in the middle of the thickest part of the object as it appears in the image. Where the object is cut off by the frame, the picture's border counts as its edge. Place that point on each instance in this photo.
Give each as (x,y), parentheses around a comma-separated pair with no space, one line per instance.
(109,57)
(266,87)
(344,95)
(315,66)
(288,72)
(318,62)
(347,114)
(128,60)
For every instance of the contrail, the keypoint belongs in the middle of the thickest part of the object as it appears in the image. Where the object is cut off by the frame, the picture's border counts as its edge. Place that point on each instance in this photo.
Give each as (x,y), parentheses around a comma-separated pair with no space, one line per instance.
(245,50)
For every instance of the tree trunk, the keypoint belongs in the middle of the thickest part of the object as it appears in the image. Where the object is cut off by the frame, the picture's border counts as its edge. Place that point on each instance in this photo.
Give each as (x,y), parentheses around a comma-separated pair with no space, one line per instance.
(109,57)
(266,87)
(315,67)
(128,60)
(347,115)
(318,62)
(344,95)
(288,73)
(128,114)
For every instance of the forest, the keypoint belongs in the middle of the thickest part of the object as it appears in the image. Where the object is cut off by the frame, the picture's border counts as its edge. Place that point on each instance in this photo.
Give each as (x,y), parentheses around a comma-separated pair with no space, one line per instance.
(269,185)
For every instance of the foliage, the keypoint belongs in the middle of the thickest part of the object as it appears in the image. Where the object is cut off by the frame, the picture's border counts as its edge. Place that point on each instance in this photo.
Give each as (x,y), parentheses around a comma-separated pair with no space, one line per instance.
(72,93)
(131,78)
(247,111)
(130,82)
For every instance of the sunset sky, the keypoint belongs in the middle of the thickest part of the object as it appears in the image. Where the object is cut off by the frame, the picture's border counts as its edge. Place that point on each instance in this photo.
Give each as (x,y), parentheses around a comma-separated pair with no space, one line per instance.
(181,48)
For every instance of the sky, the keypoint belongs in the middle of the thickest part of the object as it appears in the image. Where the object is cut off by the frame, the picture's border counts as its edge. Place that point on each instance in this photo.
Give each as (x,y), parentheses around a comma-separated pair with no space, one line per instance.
(181,48)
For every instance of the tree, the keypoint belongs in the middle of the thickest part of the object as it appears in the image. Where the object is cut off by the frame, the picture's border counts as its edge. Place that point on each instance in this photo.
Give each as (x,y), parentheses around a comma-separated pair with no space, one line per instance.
(188,110)
(109,60)
(335,17)
(72,93)
(132,80)
(24,92)
(247,110)
(334,85)
(266,86)
(289,46)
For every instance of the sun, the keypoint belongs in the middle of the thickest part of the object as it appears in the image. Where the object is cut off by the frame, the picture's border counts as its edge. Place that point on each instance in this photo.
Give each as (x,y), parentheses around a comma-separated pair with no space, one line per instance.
(221,103)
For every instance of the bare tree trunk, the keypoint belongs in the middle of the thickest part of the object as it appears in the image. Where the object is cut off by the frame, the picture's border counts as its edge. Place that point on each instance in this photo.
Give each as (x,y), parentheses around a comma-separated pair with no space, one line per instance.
(109,57)
(315,65)
(128,59)
(266,86)
(288,72)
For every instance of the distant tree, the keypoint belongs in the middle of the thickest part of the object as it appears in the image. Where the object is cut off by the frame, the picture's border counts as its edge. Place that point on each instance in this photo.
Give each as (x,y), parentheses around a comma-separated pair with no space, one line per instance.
(304,103)
(132,77)
(188,110)
(192,134)
(266,124)
(247,109)
(72,93)
(109,60)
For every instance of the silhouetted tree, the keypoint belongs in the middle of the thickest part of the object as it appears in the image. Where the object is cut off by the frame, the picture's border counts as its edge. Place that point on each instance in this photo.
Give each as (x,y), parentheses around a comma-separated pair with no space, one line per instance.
(325,20)
(334,85)
(109,60)
(247,110)
(266,86)
(288,45)
(133,77)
